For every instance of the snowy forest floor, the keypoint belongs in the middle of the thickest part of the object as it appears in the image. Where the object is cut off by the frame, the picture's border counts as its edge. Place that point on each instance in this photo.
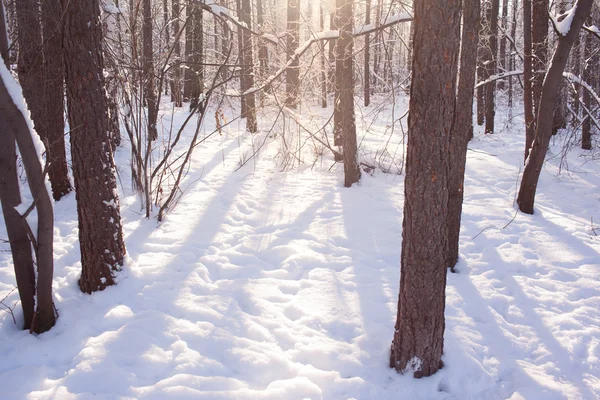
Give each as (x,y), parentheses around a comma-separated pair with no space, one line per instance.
(270,284)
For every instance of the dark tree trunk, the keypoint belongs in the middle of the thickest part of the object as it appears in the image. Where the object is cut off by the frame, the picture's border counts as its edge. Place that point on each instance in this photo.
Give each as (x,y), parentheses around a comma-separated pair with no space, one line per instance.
(176,94)
(292,72)
(344,73)
(149,91)
(419,335)
(463,124)
(100,231)
(15,127)
(166,32)
(533,165)
(241,60)
(10,197)
(512,58)
(367,64)
(53,70)
(490,89)
(248,69)
(527,77)
(46,107)
(196,82)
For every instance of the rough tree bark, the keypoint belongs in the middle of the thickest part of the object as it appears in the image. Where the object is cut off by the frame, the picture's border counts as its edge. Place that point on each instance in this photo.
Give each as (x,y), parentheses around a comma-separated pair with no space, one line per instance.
(53,87)
(527,78)
(292,72)
(463,124)
(344,73)
(419,335)
(46,107)
(100,231)
(533,165)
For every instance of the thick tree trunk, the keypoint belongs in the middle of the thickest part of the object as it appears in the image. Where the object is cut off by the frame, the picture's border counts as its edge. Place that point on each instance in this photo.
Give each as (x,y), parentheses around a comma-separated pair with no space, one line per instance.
(419,335)
(248,69)
(463,124)
(367,63)
(527,77)
(490,89)
(533,165)
(344,73)
(292,72)
(149,91)
(100,231)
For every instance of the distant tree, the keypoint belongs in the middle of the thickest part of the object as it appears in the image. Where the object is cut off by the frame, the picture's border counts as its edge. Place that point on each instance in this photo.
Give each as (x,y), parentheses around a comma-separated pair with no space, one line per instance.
(528,77)
(367,61)
(292,72)
(176,94)
(100,231)
(543,131)
(491,51)
(148,69)
(418,341)
(248,68)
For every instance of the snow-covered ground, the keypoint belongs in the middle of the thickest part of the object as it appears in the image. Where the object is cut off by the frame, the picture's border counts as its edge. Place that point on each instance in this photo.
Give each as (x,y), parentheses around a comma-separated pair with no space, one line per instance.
(264,284)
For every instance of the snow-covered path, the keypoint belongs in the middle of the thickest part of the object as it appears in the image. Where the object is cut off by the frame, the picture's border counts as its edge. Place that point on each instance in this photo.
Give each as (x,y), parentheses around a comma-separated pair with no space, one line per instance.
(264,284)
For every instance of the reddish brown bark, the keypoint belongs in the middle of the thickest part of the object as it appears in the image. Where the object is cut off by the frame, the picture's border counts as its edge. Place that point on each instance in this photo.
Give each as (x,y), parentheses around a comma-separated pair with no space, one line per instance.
(100,231)
(419,335)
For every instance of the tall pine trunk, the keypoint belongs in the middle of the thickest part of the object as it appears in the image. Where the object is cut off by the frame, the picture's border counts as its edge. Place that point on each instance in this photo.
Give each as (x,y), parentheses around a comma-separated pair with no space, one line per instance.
(418,342)
(100,231)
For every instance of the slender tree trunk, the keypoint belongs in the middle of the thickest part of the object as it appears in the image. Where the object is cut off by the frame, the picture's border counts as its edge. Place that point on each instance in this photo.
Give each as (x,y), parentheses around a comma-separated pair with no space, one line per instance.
(149,90)
(512,58)
(539,47)
(188,75)
(463,124)
(10,197)
(53,88)
(248,69)
(323,63)
(490,89)
(367,64)
(481,71)
(292,72)
(197,76)
(263,53)
(333,27)
(533,165)
(590,56)
(502,63)
(176,94)
(166,32)
(419,335)
(345,87)
(100,231)
(241,55)
(527,77)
